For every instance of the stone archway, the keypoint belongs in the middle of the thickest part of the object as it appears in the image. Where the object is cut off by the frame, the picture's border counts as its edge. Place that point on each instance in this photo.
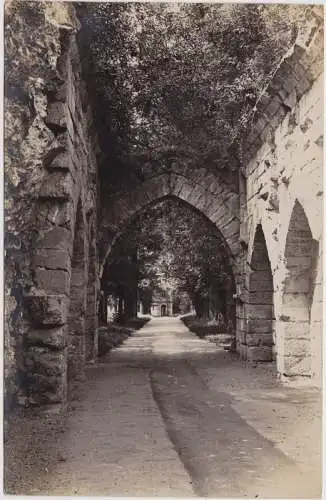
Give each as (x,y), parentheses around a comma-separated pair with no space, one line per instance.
(223,297)
(300,260)
(217,200)
(260,310)
(77,308)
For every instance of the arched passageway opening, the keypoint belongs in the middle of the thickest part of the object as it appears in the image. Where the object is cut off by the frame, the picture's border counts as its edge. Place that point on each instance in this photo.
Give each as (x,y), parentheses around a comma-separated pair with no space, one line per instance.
(301,253)
(77,309)
(172,259)
(91,309)
(260,334)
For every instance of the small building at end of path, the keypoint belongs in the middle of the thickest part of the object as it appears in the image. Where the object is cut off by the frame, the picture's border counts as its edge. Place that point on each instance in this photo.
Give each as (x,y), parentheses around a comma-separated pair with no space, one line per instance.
(162,303)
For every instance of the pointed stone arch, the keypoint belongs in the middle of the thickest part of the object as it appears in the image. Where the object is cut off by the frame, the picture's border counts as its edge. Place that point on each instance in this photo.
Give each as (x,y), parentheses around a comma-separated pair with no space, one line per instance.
(300,255)
(226,292)
(205,192)
(78,297)
(91,320)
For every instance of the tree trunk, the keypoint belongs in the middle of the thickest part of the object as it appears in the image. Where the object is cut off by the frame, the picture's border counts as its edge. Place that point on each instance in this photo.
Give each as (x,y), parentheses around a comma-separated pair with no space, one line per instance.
(120,306)
(103,312)
(129,305)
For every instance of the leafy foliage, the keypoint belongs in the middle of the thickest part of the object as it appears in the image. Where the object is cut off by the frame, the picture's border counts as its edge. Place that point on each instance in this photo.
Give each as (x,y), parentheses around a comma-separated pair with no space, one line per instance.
(175,83)
(176,248)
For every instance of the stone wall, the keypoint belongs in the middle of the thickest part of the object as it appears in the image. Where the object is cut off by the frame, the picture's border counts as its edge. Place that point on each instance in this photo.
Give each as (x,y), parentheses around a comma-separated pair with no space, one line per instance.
(51,176)
(281,216)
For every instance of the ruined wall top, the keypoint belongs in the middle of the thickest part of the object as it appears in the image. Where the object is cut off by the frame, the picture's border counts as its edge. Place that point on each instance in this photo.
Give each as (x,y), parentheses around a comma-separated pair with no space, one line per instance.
(294,76)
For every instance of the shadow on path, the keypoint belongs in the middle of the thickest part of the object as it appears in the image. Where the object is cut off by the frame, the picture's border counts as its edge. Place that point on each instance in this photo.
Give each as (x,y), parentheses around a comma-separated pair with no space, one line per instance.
(147,423)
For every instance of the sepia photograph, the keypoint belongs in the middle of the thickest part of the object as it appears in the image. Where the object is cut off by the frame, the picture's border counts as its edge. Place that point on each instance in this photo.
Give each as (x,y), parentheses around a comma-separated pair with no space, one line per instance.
(163,233)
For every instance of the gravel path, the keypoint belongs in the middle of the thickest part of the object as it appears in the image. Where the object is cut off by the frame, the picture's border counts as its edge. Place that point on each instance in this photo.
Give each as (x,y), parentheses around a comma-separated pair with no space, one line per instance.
(168,414)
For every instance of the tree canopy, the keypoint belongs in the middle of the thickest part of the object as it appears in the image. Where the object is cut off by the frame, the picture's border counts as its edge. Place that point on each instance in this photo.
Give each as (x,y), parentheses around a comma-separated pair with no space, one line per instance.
(174,247)
(176,83)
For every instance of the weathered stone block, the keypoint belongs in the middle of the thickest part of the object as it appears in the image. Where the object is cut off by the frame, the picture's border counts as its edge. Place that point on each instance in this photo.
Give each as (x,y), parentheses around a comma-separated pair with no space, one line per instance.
(259,325)
(57,116)
(297,248)
(46,390)
(296,329)
(58,238)
(44,362)
(299,284)
(302,83)
(273,106)
(61,161)
(220,338)
(79,280)
(47,310)
(296,313)
(259,311)
(291,100)
(52,259)
(54,338)
(59,91)
(261,339)
(295,300)
(297,366)
(57,147)
(299,261)
(231,227)
(259,353)
(261,297)
(52,281)
(285,71)
(259,284)
(297,347)
(53,212)
(39,383)
(57,185)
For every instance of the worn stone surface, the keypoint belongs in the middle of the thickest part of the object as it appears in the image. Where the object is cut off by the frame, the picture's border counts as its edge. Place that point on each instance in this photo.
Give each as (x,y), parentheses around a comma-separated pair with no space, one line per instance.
(259,353)
(54,338)
(52,258)
(49,167)
(48,310)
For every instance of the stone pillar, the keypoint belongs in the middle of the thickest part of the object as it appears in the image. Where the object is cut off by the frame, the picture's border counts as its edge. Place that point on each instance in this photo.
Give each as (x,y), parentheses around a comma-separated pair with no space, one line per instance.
(259,306)
(241,286)
(91,308)
(46,354)
(48,303)
(301,258)
(77,307)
